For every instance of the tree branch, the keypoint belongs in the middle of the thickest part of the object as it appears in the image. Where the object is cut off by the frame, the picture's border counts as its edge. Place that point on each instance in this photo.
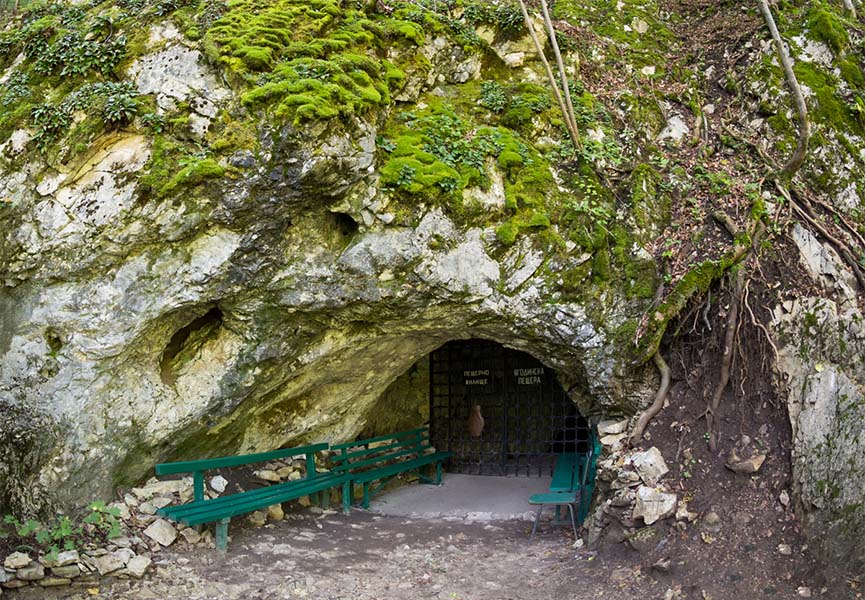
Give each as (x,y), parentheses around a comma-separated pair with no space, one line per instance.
(575,137)
(562,75)
(798,156)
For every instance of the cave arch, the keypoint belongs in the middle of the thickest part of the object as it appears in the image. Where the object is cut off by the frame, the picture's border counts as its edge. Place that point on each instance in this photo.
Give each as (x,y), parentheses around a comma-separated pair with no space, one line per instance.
(528,416)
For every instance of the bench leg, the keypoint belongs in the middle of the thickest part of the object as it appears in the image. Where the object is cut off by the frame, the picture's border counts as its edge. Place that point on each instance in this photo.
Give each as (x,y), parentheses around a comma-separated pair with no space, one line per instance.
(537,520)
(222,535)
(573,520)
(347,489)
(438,473)
(366,496)
(325,499)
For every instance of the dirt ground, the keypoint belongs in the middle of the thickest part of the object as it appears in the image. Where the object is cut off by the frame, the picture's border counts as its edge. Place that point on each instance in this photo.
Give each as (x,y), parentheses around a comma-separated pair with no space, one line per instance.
(365,557)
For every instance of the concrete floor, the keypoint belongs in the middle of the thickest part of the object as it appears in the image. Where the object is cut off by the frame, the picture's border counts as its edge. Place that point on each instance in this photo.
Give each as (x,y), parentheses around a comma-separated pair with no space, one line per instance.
(471,497)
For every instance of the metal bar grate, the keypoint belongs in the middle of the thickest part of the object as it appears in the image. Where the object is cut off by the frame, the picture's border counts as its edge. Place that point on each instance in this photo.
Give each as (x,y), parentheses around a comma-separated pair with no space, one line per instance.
(527,417)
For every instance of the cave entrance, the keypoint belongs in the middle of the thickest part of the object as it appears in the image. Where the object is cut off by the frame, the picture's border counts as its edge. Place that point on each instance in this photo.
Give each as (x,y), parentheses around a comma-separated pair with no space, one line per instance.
(500,411)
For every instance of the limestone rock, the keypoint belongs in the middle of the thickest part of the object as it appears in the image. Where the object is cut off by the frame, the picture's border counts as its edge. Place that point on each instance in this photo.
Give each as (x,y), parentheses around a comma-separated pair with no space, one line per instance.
(55,581)
(31,572)
(65,558)
(138,565)
(108,563)
(257,518)
(147,508)
(644,539)
(190,535)
(611,440)
(268,475)
(612,427)
(653,504)
(746,466)
(650,465)
(17,560)
(66,571)
(162,532)
(218,483)
(275,512)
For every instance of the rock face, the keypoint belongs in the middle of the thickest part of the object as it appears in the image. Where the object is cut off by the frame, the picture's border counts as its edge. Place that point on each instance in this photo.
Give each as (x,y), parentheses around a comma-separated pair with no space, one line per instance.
(225,247)
(272,297)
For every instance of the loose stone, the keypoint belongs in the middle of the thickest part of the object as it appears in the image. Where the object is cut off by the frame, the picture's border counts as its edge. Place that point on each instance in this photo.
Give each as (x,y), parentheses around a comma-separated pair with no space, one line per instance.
(17,560)
(162,532)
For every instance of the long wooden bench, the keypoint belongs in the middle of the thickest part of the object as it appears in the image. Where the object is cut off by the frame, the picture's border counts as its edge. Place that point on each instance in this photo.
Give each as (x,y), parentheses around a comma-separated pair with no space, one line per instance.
(220,510)
(381,458)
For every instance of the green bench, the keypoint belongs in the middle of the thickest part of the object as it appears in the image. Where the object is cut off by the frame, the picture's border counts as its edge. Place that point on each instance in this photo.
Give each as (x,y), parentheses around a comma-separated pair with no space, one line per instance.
(571,484)
(220,510)
(381,458)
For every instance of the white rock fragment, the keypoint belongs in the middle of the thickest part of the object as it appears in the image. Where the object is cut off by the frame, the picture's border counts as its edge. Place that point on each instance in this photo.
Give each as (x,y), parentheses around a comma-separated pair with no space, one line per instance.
(138,565)
(612,427)
(162,532)
(653,504)
(17,560)
(650,465)
(218,483)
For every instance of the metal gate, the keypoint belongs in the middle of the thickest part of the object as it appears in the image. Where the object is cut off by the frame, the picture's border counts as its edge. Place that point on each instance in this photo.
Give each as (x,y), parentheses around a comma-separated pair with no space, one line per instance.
(527,416)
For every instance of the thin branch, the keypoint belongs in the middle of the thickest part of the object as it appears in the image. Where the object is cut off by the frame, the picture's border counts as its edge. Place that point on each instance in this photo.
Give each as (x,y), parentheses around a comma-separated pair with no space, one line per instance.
(658,403)
(561,66)
(801,150)
(575,137)
(851,8)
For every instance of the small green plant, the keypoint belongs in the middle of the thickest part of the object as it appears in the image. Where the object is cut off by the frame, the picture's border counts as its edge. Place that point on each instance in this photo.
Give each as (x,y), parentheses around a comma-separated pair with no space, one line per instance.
(154,122)
(63,533)
(493,96)
(104,519)
(119,108)
(406,176)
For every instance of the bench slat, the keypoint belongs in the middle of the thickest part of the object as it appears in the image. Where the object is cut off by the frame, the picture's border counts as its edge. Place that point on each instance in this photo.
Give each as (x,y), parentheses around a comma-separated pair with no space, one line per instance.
(393,469)
(392,436)
(379,459)
(414,440)
(170,511)
(212,510)
(234,461)
(564,473)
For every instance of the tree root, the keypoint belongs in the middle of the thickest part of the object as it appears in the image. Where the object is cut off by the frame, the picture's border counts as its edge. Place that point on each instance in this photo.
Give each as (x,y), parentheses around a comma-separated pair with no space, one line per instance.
(842,248)
(657,404)
(732,325)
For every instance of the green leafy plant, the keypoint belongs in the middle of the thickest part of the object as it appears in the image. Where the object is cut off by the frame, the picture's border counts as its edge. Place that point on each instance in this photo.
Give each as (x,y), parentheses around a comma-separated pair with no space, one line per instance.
(493,96)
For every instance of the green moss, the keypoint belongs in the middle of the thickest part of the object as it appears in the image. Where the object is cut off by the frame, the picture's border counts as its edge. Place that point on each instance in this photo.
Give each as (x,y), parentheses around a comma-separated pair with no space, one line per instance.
(826,26)
(318,59)
(194,174)
(851,71)
(507,232)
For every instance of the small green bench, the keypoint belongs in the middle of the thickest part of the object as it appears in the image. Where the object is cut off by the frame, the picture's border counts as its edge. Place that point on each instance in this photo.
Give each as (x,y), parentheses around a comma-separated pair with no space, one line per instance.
(381,458)
(569,486)
(220,510)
